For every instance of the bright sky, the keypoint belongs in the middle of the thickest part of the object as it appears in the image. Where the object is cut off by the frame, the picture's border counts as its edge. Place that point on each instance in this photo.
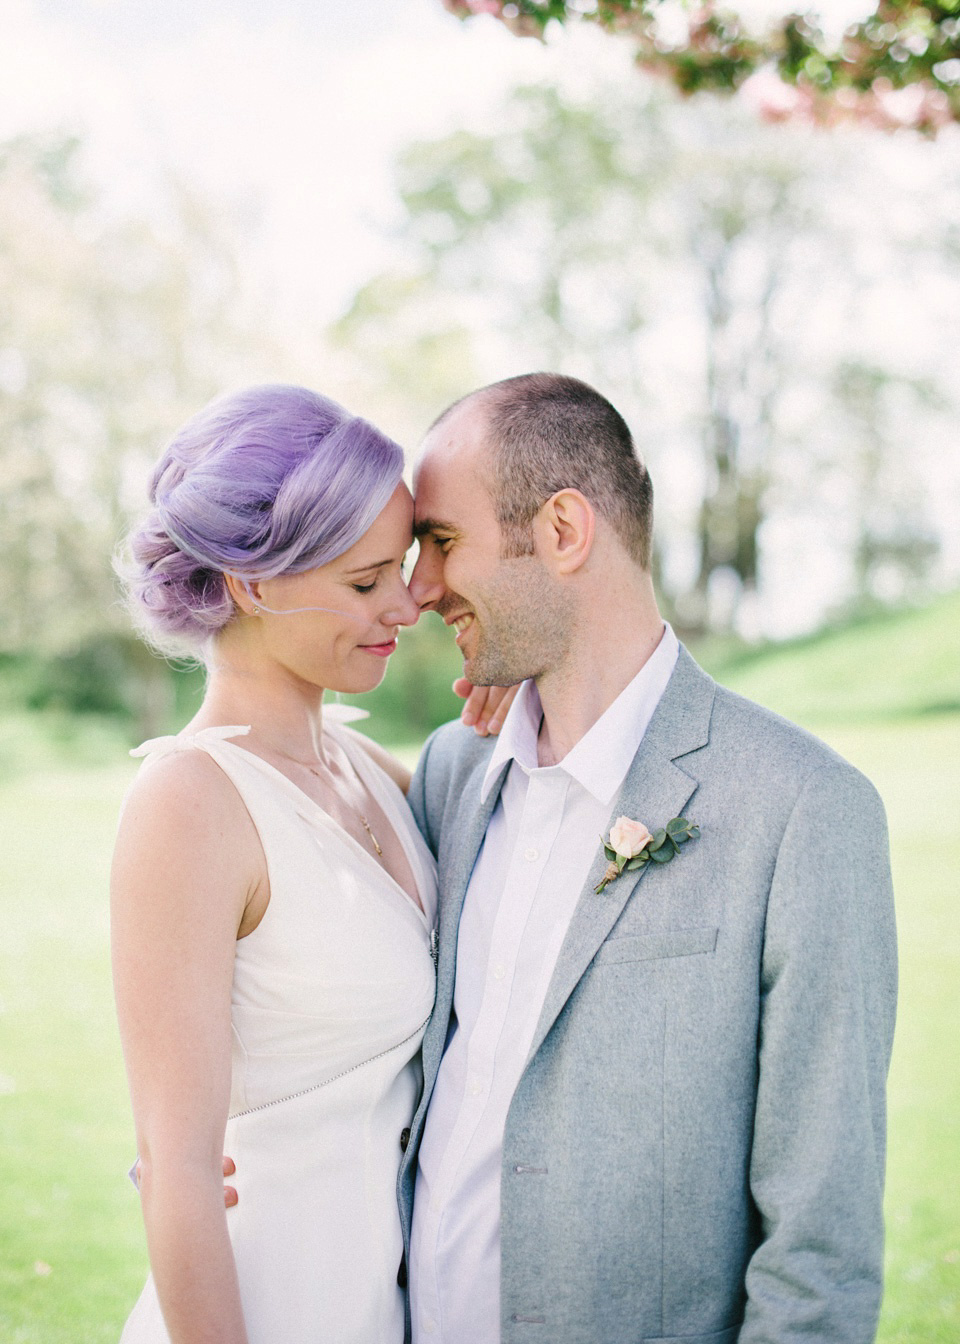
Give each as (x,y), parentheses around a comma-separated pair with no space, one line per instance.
(289,113)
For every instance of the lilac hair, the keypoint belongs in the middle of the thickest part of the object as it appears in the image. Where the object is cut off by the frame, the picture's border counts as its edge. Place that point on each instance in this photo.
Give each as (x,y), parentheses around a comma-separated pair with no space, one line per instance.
(271,480)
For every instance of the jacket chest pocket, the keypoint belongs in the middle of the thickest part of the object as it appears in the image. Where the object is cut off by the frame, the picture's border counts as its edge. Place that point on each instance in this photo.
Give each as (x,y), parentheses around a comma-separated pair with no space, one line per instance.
(656,946)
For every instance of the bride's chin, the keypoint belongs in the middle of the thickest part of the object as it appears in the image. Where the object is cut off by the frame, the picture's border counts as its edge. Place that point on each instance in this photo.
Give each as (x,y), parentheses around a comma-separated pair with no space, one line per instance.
(359,684)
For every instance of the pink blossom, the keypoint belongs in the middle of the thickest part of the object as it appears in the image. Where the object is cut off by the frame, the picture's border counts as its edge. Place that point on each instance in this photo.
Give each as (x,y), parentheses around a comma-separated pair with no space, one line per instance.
(773,99)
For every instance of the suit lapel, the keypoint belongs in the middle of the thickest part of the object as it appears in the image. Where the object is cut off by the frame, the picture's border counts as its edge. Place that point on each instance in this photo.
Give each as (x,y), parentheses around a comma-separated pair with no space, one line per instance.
(469,826)
(471,834)
(655,790)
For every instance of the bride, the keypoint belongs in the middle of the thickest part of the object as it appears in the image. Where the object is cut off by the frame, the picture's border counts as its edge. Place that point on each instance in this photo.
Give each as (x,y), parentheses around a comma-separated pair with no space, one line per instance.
(272,901)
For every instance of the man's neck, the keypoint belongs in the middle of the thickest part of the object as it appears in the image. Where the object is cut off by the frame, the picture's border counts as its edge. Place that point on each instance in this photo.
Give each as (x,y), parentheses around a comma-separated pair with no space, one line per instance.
(575,696)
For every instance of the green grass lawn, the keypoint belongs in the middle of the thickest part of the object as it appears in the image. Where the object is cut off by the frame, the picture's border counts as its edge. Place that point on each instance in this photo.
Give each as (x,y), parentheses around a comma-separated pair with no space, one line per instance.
(71,1247)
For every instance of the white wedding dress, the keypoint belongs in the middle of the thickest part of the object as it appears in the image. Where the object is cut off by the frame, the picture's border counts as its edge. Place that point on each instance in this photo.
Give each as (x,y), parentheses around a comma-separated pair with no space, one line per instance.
(331,995)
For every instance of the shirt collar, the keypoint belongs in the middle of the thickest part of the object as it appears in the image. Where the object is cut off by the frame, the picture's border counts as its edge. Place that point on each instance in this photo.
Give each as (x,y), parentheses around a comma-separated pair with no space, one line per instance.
(600,760)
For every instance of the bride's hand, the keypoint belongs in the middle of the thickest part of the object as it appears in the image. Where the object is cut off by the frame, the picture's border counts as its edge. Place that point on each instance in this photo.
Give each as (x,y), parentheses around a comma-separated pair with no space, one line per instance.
(486,706)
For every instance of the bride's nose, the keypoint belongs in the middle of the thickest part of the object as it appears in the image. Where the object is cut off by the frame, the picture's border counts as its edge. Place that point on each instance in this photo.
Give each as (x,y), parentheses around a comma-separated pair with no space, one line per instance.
(404,610)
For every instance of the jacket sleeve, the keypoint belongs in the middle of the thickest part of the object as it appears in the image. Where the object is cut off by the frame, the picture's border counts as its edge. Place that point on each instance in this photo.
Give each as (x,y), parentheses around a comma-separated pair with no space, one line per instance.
(828,998)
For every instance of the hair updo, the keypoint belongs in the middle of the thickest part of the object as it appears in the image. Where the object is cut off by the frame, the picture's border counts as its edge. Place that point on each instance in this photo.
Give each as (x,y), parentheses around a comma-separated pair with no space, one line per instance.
(271,480)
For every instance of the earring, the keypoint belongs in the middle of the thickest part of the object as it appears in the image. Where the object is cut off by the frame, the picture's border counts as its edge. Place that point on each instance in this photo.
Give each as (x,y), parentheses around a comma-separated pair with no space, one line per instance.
(256,610)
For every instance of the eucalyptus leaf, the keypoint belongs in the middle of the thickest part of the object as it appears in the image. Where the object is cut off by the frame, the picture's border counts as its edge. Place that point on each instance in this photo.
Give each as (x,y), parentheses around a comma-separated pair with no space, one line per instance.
(610,853)
(659,838)
(663,855)
(637,862)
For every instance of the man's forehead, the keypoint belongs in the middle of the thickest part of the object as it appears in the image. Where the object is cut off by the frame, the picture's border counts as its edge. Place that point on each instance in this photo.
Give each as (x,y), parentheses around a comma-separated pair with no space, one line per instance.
(461,429)
(449,468)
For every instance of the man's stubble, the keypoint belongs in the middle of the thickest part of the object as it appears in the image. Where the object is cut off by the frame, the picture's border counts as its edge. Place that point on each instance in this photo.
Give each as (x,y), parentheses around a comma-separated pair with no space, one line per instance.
(524,626)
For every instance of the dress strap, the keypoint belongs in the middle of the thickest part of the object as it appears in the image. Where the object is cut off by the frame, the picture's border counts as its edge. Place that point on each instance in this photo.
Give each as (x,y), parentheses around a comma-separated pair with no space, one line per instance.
(337,713)
(162,746)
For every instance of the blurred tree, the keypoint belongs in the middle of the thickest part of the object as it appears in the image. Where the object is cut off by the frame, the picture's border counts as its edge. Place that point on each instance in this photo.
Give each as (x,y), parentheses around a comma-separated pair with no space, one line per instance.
(898,66)
(894,544)
(111,332)
(404,353)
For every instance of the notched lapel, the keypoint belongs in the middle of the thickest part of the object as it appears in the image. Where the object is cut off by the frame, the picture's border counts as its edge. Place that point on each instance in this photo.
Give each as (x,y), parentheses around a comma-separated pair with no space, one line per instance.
(654,791)
(467,822)
(469,825)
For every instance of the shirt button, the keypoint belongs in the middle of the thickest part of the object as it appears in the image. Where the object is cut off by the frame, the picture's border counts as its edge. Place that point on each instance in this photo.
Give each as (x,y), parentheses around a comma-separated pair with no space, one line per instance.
(499,972)
(428,1326)
(476,1087)
(531,855)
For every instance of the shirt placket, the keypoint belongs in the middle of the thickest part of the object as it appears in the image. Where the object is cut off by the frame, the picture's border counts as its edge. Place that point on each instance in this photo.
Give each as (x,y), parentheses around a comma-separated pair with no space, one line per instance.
(500,1011)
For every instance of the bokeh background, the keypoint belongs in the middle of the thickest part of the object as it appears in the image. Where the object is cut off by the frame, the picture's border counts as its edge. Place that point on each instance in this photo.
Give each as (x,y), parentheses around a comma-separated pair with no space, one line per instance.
(394,206)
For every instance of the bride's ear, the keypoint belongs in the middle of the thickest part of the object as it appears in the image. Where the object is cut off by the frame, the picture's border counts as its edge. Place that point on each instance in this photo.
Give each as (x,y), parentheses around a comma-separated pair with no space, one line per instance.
(565,528)
(245,594)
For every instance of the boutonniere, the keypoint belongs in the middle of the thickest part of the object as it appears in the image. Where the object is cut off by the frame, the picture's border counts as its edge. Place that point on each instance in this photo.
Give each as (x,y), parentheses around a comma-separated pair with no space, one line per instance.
(631,845)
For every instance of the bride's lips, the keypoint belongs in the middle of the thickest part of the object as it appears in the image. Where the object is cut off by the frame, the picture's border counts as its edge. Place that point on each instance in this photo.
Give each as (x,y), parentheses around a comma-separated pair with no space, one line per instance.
(380,650)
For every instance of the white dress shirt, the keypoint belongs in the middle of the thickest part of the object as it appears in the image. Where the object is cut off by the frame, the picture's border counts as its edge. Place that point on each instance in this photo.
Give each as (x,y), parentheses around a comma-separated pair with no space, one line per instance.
(542,839)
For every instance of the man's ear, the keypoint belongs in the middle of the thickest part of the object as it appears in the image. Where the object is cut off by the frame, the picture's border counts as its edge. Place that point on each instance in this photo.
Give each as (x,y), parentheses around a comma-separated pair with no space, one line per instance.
(245,595)
(565,528)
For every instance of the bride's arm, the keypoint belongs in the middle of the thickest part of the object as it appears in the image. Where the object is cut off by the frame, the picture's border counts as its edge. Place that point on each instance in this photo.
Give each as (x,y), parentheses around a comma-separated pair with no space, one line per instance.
(185,869)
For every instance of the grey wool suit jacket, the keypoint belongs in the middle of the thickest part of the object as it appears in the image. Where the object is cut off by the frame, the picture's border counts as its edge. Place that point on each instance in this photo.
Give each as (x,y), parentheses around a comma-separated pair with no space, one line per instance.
(695,1151)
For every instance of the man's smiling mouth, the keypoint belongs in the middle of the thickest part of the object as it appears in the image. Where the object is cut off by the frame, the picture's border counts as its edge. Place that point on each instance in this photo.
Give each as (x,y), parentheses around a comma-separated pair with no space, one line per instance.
(462,624)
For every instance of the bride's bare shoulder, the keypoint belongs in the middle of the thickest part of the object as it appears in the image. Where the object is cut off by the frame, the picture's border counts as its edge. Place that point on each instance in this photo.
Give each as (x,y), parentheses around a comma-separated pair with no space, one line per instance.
(181,797)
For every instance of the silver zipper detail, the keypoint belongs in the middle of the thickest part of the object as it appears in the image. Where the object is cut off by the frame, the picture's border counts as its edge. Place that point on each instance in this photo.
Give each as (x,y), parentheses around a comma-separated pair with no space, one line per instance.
(305,1091)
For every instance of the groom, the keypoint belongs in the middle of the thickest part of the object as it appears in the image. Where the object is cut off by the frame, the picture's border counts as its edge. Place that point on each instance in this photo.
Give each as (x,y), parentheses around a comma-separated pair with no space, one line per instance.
(656,1104)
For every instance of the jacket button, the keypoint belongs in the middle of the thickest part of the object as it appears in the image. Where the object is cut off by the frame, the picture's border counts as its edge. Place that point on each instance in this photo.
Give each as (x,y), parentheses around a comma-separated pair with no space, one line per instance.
(402,1273)
(404,1139)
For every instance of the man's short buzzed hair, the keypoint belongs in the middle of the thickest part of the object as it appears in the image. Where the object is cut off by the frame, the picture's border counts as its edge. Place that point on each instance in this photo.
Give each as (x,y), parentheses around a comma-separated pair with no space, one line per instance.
(548,432)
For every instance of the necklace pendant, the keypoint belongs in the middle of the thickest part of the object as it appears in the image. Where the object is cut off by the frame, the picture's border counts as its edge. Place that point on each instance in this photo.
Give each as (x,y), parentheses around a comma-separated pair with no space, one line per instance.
(366,826)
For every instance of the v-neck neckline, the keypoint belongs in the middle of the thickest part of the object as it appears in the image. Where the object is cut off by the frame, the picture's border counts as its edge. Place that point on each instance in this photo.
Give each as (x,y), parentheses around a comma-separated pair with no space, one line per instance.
(417,871)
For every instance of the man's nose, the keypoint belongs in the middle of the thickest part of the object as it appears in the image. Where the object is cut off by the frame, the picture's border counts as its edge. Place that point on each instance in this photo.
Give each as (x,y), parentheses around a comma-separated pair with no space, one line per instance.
(426,581)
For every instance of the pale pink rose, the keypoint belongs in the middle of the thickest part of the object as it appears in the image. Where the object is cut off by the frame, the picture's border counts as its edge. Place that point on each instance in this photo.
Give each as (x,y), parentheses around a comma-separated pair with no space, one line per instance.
(628,837)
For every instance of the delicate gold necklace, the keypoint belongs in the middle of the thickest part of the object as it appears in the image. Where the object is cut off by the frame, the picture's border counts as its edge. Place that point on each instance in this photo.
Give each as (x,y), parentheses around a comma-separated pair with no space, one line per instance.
(315,770)
(363,821)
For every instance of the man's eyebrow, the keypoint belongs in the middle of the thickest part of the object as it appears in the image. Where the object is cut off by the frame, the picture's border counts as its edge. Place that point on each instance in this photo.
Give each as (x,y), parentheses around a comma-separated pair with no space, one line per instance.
(424,526)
